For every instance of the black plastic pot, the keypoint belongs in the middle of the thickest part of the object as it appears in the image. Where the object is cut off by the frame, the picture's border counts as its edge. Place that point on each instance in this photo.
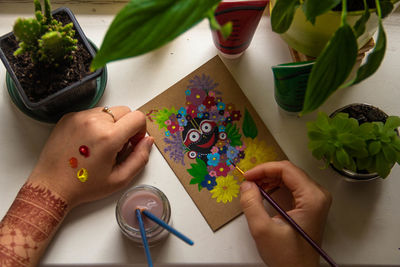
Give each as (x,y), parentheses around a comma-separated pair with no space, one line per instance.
(368,113)
(75,97)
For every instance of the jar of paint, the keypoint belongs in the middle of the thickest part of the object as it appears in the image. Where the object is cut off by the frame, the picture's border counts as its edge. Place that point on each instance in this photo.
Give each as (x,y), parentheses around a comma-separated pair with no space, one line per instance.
(143,197)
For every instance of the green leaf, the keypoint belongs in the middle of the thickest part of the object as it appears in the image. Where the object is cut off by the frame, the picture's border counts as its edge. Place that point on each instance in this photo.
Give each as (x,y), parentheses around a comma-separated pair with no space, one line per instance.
(282,14)
(364,163)
(233,134)
(374,147)
(198,171)
(331,69)
(386,7)
(389,153)
(314,8)
(396,143)
(382,167)
(374,59)
(249,127)
(342,157)
(144,25)
(359,27)
(392,123)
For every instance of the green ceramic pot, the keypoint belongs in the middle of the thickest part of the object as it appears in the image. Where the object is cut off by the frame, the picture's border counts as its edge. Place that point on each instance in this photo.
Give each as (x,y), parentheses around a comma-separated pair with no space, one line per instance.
(310,39)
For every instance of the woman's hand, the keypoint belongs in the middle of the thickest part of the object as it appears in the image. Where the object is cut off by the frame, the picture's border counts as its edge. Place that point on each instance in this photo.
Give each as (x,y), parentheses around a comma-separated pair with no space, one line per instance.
(278,243)
(117,151)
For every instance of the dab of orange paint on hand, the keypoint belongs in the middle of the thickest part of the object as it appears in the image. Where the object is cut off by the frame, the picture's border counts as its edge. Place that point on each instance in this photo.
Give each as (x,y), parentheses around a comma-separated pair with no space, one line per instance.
(73,162)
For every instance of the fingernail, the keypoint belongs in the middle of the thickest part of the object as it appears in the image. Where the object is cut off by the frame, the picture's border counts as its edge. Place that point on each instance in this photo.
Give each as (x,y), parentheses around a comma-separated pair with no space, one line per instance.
(245,186)
(149,141)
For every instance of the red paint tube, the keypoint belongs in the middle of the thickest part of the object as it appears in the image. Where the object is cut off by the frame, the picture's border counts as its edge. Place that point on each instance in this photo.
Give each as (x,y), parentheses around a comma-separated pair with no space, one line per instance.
(245,16)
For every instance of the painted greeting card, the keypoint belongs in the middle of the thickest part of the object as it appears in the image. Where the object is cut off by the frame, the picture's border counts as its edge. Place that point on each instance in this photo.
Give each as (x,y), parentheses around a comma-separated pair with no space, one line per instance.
(202,125)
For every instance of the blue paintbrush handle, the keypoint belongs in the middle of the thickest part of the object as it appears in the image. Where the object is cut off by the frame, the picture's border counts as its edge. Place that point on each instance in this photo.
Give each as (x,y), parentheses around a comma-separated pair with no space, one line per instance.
(144,238)
(157,220)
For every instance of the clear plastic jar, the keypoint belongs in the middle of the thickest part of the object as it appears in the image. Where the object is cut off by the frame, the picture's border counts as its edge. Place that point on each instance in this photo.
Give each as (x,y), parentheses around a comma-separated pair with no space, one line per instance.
(150,198)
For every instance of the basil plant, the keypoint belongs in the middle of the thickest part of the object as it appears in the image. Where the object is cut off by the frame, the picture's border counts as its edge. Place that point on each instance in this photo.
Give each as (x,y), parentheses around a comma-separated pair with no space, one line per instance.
(336,61)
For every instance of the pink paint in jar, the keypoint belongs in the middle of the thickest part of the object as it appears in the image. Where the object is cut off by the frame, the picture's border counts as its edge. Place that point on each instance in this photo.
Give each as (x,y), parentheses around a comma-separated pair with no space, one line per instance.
(245,16)
(143,197)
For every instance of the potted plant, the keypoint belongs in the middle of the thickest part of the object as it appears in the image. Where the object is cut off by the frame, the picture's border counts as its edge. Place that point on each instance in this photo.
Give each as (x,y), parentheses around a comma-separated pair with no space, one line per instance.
(359,140)
(48,64)
(332,31)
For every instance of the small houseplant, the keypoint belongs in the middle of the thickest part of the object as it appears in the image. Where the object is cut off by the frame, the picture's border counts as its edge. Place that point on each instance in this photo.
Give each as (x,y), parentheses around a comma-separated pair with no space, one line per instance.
(372,147)
(338,56)
(48,59)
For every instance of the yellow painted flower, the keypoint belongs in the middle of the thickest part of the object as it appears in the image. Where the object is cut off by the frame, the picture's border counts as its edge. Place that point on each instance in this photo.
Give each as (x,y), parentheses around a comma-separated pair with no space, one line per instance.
(226,189)
(256,152)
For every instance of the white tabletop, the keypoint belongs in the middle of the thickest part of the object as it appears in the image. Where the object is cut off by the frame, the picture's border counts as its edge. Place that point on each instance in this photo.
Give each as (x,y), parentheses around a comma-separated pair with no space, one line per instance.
(363,223)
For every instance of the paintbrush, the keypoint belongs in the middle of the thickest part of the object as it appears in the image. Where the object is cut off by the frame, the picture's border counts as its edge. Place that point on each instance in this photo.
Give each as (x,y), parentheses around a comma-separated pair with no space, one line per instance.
(292,222)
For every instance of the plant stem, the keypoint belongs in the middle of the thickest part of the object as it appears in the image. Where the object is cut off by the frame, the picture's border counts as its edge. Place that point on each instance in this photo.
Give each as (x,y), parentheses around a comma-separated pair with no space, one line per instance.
(344,12)
(378,8)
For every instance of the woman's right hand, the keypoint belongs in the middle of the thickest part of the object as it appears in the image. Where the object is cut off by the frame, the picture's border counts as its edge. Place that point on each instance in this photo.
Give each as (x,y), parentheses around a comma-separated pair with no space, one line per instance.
(277,241)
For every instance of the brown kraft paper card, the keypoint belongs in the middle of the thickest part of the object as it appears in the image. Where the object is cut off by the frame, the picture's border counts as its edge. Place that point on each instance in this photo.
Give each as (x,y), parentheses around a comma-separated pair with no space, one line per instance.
(202,125)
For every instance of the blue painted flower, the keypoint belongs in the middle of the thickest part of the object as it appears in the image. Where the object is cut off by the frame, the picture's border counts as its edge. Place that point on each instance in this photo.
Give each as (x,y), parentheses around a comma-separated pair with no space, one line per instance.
(188,92)
(206,115)
(200,115)
(221,128)
(232,152)
(182,122)
(221,106)
(182,111)
(201,108)
(167,134)
(223,150)
(209,182)
(178,116)
(213,159)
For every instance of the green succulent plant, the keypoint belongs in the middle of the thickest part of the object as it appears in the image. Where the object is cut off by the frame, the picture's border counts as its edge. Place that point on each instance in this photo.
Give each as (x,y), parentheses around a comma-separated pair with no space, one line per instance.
(346,144)
(44,38)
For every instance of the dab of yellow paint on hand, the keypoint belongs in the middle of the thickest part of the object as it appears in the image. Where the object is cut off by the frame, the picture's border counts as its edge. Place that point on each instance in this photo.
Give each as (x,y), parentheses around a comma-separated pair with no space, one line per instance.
(82,175)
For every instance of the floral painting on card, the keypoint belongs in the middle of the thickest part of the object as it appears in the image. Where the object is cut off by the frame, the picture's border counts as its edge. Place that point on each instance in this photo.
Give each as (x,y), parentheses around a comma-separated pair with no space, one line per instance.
(208,134)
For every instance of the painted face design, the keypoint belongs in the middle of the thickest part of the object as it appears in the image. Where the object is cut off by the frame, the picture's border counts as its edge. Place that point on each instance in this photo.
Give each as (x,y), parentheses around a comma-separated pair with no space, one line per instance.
(200,135)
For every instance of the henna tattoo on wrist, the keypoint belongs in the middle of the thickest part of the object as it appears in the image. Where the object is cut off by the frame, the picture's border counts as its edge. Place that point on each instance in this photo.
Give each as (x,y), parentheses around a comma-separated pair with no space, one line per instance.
(32,218)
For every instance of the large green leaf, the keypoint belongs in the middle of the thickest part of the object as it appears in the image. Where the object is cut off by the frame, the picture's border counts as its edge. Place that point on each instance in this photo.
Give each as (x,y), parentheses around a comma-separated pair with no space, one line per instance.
(374,59)
(249,126)
(144,25)
(331,69)
(314,8)
(282,14)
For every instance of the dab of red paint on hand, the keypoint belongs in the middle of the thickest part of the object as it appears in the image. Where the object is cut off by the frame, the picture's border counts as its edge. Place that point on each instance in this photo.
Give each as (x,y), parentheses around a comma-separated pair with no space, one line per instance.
(84,150)
(73,162)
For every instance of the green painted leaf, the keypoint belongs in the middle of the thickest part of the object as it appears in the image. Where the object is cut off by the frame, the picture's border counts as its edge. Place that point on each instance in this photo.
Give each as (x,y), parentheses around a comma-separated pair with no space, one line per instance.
(282,14)
(233,134)
(198,171)
(331,69)
(374,59)
(314,8)
(359,27)
(144,25)
(249,127)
